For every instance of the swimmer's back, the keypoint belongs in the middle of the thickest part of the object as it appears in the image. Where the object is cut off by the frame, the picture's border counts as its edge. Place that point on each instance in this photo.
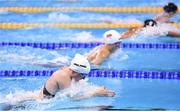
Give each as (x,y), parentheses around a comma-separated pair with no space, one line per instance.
(57,81)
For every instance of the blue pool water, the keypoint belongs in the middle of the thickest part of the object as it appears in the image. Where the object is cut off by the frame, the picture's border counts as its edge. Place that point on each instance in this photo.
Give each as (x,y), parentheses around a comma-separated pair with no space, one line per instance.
(130,93)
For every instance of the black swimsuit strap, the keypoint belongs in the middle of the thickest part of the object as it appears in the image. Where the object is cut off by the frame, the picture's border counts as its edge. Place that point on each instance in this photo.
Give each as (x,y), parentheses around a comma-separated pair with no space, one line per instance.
(47,94)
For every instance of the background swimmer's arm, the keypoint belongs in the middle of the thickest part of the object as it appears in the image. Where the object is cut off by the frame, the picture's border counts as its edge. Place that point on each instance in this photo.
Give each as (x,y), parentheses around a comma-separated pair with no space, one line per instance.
(173,34)
(130,32)
(164,18)
(100,92)
(100,57)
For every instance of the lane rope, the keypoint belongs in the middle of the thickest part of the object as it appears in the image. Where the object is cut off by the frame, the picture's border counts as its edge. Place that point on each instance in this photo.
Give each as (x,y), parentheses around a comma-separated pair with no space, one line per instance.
(73,25)
(56,46)
(94,9)
(99,73)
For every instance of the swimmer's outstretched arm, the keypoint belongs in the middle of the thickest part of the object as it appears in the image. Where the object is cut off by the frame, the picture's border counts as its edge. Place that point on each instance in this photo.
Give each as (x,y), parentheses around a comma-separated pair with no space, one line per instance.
(130,32)
(98,60)
(173,34)
(100,57)
(99,92)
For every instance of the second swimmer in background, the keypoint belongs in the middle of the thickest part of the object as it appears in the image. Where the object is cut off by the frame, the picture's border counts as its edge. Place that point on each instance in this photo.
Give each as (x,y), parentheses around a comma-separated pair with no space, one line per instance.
(113,39)
(169,11)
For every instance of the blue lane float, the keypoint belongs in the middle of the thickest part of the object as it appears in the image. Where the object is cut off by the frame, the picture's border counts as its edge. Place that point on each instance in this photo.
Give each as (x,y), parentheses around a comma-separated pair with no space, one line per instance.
(99,73)
(54,46)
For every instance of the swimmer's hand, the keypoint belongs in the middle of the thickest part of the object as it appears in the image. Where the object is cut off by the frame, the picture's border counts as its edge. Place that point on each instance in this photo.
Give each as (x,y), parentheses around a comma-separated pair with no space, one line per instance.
(102,91)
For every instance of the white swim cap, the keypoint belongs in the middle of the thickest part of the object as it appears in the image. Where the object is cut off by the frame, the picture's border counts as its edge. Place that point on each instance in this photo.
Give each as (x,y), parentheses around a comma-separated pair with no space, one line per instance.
(80,64)
(111,37)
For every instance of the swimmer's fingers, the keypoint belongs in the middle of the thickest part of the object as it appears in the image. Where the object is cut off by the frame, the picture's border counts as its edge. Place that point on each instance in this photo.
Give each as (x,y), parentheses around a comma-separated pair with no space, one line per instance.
(111,94)
(103,91)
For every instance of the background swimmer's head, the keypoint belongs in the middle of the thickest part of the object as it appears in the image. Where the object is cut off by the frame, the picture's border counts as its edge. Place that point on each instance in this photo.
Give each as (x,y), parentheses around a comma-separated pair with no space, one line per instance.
(170,8)
(80,65)
(150,23)
(111,37)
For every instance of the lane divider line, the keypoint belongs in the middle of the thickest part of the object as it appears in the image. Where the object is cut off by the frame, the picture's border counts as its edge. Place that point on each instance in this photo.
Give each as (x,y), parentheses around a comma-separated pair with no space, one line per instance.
(56,46)
(99,73)
(94,9)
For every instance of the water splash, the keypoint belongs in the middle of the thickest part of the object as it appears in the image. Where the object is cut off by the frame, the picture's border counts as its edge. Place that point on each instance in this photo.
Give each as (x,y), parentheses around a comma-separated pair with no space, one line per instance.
(85,37)
(110,19)
(34,59)
(83,87)
(120,55)
(21,99)
(150,33)
(60,17)
(20,96)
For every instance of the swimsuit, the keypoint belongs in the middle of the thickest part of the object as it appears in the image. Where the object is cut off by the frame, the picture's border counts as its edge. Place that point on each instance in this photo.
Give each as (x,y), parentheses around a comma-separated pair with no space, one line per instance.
(47,94)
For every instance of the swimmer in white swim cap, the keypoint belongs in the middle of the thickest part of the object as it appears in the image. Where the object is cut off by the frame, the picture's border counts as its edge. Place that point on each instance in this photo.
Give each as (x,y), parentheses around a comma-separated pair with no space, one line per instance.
(113,38)
(80,65)
(61,79)
(112,41)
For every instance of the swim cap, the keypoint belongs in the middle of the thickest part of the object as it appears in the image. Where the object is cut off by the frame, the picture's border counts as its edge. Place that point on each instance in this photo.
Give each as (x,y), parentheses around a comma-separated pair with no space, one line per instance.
(150,23)
(171,7)
(111,37)
(80,64)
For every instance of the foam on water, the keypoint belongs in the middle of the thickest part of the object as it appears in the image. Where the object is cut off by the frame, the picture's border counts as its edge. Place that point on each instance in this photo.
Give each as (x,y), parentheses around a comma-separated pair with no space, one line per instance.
(60,17)
(88,18)
(78,89)
(34,59)
(147,33)
(85,37)
(22,98)
(111,19)
(120,55)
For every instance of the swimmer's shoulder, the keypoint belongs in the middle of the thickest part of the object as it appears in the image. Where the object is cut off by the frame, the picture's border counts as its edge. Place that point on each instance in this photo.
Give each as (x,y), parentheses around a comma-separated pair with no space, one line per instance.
(105,51)
(59,73)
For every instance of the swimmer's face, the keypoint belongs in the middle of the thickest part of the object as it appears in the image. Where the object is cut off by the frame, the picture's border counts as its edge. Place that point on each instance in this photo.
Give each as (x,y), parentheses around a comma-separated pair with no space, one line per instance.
(78,76)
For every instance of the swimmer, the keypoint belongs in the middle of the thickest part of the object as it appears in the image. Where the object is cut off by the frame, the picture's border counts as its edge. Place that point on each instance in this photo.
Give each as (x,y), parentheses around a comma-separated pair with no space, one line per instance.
(169,11)
(62,78)
(150,23)
(111,39)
